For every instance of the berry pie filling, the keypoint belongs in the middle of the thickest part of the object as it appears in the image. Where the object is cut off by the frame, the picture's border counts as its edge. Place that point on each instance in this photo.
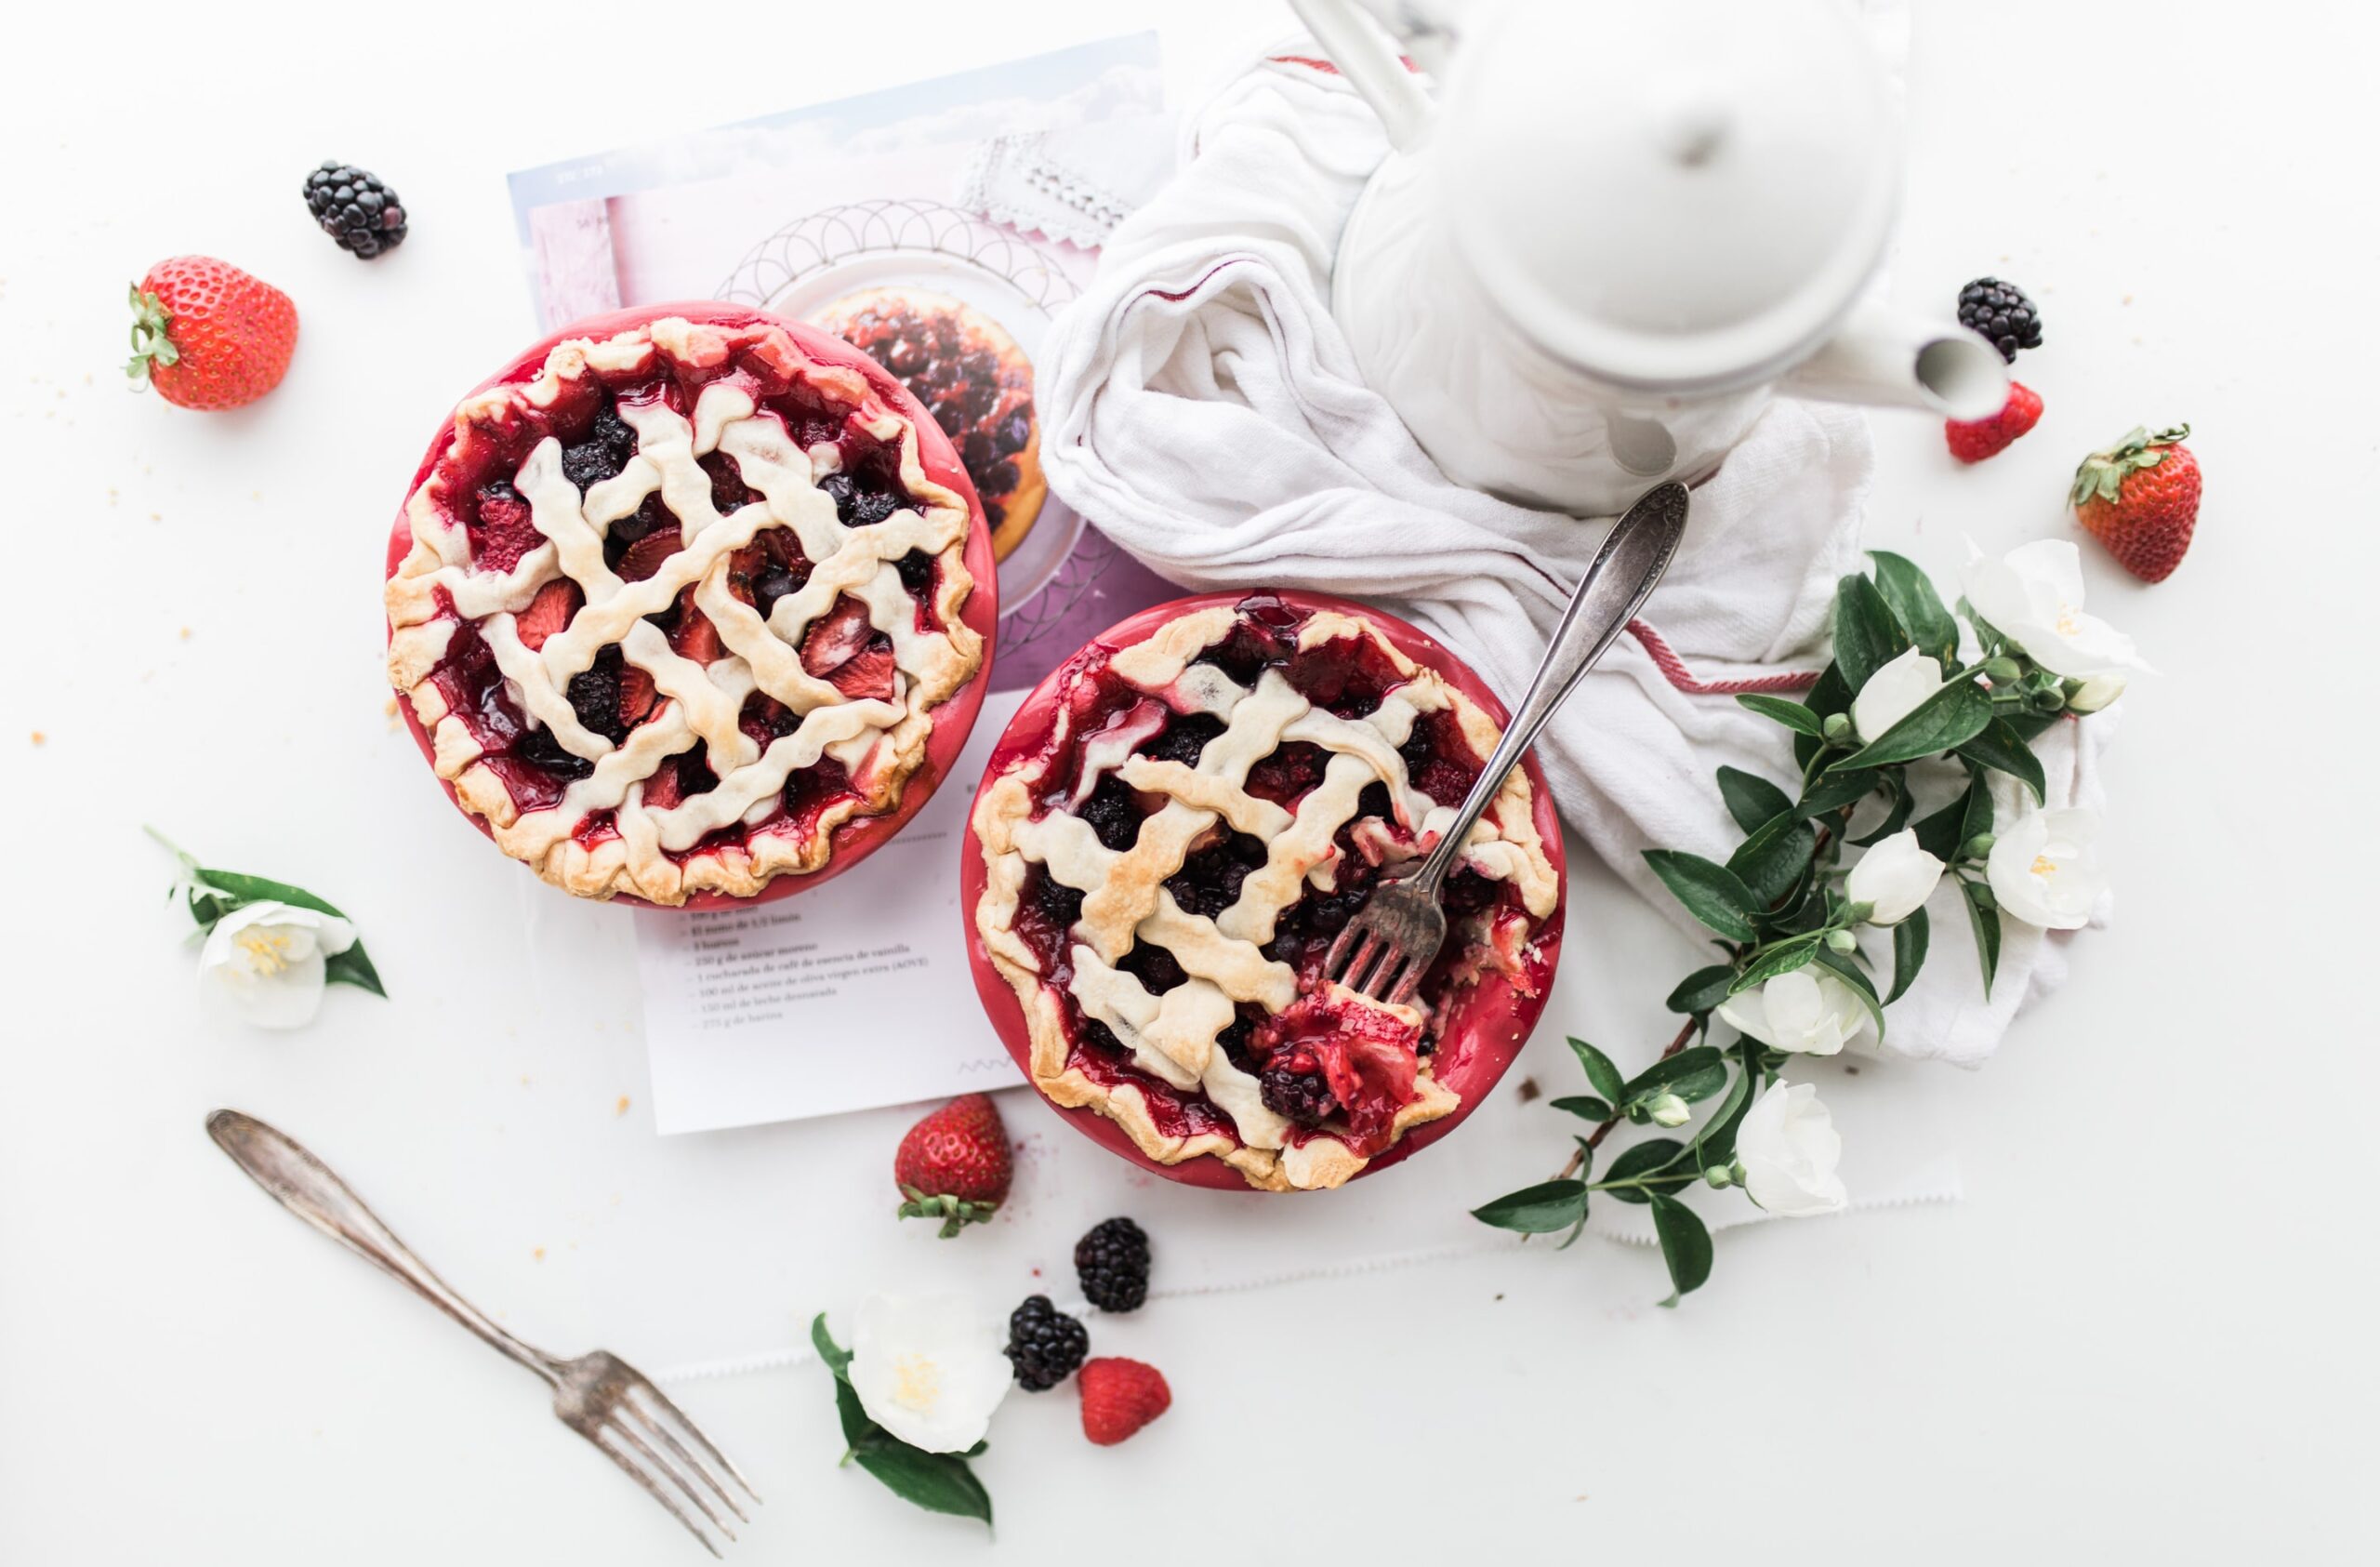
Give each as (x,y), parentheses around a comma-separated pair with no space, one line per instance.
(1169,862)
(677,605)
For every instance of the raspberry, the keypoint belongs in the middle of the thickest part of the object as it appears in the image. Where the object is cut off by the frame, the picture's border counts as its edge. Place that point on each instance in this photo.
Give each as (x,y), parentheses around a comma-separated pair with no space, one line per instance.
(1112,1263)
(1119,1397)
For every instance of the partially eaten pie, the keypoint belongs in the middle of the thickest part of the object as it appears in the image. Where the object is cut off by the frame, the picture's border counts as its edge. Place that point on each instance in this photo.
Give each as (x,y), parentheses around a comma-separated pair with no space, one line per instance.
(1168,857)
(679,601)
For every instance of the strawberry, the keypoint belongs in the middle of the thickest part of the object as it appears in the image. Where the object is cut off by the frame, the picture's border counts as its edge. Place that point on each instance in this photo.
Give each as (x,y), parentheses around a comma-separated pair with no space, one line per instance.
(1973,439)
(695,637)
(2139,497)
(636,693)
(547,612)
(664,790)
(867,674)
(1119,1397)
(206,334)
(644,557)
(837,637)
(502,529)
(954,1164)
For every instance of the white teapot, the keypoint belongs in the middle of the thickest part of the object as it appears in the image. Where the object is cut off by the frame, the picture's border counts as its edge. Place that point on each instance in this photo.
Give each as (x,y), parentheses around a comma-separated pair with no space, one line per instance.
(1622,227)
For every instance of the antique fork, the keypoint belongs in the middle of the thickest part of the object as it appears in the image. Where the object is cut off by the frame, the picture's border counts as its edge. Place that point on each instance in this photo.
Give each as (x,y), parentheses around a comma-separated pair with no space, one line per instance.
(1389,945)
(598,1395)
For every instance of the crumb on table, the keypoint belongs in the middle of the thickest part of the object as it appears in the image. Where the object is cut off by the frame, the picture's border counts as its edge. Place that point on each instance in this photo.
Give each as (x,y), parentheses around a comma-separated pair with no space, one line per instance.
(622,1108)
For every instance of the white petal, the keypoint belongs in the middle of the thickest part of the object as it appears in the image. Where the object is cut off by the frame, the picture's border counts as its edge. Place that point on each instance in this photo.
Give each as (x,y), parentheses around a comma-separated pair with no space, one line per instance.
(1746,1013)
(2055,564)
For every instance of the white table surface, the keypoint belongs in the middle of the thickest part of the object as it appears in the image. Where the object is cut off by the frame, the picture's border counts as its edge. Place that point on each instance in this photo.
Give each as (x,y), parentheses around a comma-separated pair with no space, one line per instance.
(2145,1333)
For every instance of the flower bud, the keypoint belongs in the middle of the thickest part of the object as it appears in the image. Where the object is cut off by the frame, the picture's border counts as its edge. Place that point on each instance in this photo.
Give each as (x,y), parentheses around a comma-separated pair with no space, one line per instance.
(2091,695)
(1982,896)
(1843,941)
(2003,671)
(1978,846)
(1667,1110)
(2051,700)
(1719,1177)
(1837,726)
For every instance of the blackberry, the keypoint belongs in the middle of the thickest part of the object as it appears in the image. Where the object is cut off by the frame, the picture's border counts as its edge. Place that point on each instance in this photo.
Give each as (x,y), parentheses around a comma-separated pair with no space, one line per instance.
(1044,1344)
(1115,820)
(595,696)
(1058,903)
(1112,1263)
(772,585)
(602,452)
(2002,312)
(1303,1095)
(871,506)
(917,572)
(539,749)
(355,208)
(1185,738)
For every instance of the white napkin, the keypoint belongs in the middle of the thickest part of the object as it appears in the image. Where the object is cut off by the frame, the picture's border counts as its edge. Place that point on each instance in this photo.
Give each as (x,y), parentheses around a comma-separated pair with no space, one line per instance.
(1201,407)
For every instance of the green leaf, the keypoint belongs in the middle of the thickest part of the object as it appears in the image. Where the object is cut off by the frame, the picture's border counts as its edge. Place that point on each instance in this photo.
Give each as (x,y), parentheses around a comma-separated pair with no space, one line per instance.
(1911,593)
(1794,715)
(1712,893)
(1772,859)
(1944,721)
(2000,748)
(1941,833)
(1986,922)
(936,1482)
(1686,1244)
(1833,791)
(1703,989)
(1586,1107)
(1867,637)
(838,1359)
(1691,1074)
(1642,1168)
(1602,1076)
(1715,1144)
(858,1429)
(1784,957)
(1536,1210)
(1910,937)
(1751,798)
(353,967)
(1896,779)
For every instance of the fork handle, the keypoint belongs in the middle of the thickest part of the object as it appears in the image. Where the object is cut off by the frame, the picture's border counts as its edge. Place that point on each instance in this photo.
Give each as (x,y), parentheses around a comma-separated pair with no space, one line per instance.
(305,1185)
(1623,575)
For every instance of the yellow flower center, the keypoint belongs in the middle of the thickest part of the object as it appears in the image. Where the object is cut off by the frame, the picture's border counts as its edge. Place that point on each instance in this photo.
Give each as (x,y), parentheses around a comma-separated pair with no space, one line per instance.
(267,950)
(917,1381)
(2044,865)
(2068,620)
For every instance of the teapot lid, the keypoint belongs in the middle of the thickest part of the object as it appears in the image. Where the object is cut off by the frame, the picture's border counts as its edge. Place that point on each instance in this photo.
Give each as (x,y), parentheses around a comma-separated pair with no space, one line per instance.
(1674,194)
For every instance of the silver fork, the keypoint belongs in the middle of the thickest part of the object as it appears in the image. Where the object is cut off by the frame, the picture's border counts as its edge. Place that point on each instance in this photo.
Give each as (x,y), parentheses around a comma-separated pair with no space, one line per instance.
(1389,945)
(598,1395)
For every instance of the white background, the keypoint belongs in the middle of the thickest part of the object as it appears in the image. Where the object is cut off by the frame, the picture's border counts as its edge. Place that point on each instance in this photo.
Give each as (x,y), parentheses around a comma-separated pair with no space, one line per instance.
(2144,1335)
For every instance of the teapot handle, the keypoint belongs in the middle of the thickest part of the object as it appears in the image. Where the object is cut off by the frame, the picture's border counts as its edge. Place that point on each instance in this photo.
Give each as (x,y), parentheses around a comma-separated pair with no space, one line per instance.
(1357,40)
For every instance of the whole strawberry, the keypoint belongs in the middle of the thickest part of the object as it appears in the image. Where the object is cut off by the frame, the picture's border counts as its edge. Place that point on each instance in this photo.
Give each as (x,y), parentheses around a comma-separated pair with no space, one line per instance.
(954,1164)
(206,334)
(1973,439)
(1119,1397)
(2139,497)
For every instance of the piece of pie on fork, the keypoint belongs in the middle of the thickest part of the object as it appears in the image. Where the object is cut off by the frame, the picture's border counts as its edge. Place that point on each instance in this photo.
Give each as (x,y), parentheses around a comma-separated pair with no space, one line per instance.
(1172,832)
(685,600)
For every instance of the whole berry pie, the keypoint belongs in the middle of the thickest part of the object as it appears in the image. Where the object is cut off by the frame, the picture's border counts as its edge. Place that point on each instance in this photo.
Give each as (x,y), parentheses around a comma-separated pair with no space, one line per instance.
(975,379)
(675,602)
(1171,844)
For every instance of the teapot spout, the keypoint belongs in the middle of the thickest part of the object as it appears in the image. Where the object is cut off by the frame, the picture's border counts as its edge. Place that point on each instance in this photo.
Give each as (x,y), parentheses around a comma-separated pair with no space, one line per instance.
(1886,359)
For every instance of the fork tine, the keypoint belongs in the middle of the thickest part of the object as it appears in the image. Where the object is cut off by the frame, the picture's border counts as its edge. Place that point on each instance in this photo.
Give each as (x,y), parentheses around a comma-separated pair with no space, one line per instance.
(1334,962)
(685,1460)
(628,1434)
(620,1457)
(1407,989)
(1360,957)
(694,1433)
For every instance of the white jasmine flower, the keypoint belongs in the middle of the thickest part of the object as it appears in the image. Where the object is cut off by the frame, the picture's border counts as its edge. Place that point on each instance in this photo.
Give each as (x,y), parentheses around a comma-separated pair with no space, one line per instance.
(2099,691)
(2034,596)
(1895,692)
(1788,1148)
(928,1369)
(265,962)
(2044,870)
(1896,876)
(1808,1012)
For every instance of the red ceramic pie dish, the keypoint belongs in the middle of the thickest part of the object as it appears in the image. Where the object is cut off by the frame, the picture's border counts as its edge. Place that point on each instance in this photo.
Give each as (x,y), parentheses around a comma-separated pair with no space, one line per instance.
(1488,1022)
(951,719)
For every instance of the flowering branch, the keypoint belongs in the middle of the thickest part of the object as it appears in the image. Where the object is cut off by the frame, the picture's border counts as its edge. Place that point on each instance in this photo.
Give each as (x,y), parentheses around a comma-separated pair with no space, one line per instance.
(1795,978)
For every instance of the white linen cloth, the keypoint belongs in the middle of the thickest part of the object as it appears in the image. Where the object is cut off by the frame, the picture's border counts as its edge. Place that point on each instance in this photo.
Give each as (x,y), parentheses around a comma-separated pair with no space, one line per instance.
(1200,406)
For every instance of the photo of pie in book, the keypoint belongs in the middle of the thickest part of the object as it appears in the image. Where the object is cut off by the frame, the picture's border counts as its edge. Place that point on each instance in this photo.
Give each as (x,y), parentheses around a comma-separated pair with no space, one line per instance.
(972,377)
(690,604)
(1175,828)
